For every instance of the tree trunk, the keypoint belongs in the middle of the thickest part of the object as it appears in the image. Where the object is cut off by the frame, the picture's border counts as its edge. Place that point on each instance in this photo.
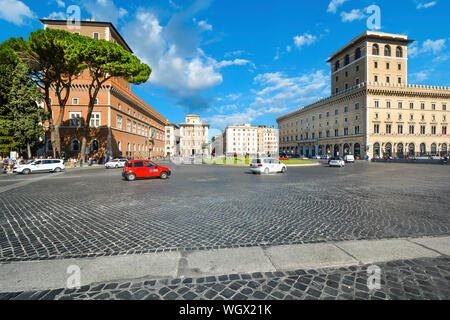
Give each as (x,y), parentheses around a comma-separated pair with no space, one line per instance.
(56,141)
(29,150)
(84,142)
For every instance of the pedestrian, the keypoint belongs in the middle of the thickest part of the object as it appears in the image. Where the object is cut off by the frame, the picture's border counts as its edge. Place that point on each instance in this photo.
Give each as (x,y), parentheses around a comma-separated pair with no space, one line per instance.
(75,162)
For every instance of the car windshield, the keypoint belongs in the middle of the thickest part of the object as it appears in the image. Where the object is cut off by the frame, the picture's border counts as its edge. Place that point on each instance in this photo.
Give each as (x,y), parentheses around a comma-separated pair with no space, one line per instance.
(256,161)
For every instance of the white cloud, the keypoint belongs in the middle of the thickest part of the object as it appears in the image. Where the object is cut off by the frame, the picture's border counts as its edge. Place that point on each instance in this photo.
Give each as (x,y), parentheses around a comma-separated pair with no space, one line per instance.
(249,115)
(334,4)
(15,11)
(434,46)
(204,25)
(234,53)
(104,10)
(426,5)
(304,40)
(353,15)
(57,16)
(428,46)
(420,76)
(60,3)
(172,50)
(279,90)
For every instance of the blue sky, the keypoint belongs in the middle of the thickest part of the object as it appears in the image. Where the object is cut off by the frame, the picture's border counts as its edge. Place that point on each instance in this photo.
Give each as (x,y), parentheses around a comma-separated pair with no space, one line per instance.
(246,61)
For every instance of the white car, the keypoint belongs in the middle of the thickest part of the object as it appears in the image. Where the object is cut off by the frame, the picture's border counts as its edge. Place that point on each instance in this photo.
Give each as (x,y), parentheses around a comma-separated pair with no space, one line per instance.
(349,158)
(41,165)
(116,163)
(267,165)
(337,162)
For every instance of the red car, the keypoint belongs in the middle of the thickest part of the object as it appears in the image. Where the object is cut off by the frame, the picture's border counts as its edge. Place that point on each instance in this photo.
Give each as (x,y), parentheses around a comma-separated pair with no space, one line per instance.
(283,158)
(144,169)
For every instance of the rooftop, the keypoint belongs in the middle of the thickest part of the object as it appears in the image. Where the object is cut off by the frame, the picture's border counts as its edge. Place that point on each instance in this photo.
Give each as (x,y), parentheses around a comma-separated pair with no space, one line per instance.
(372,35)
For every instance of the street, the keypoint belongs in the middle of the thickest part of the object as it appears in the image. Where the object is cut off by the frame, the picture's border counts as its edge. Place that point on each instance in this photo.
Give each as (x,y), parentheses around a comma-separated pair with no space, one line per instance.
(93,212)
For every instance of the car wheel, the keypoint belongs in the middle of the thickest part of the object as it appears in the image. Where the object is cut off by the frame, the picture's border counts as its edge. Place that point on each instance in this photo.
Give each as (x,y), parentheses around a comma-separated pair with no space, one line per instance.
(131,177)
(266,171)
(57,170)
(117,166)
(163,175)
(283,170)
(26,171)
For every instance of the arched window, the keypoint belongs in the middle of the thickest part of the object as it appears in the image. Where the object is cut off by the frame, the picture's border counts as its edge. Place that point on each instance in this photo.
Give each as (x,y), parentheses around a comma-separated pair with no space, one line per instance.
(337,66)
(375,50)
(444,150)
(75,145)
(423,149)
(95,146)
(400,150)
(387,50)
(411,150)
(346,149)
(399,52)
(376,149)
(357,53)
(433,149)
(388,149)
(357,150)
(347,60)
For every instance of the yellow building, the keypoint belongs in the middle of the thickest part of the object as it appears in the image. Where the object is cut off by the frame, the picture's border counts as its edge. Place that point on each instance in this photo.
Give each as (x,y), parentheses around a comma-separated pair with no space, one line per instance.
(372,110)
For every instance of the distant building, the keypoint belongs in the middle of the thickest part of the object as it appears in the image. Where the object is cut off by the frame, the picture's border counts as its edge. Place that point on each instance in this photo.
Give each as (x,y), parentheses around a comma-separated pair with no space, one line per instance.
(267,141)
(217,145)
(172,139)
(240,140)
(194,137)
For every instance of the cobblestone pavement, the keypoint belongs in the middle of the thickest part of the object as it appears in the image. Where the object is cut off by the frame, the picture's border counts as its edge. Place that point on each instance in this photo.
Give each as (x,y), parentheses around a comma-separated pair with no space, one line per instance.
(94,212)
(405,279)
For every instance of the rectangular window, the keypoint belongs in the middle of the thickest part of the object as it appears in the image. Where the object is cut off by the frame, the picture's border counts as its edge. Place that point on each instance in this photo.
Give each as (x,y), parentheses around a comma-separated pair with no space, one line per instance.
(134,126)
(411,105)
(411,129)
(444,107)
(95,120)
(433,129)
(345,131)
(444,130)
(388,129)
(388,65)
(336,132)
(388,79)
(433,106)
(128,125)
(376,64)
(400,129)
(357,106)
(75,100)
(399,66)
(96,35)
(376,128)
(377,104)
(75,119)
(346,109)
(422,106)
(357,130)
(388,104)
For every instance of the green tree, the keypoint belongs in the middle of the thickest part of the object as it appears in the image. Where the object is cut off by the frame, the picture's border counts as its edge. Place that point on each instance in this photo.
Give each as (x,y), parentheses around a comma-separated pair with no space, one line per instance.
(53,57)
(8,62)
(105,60)
(23,100)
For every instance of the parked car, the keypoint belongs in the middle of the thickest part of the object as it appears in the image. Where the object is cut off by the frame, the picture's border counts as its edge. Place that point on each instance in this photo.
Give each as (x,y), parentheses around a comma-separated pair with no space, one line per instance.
(267,165)
(337,162)
(116,163)
(349,158)
(144,169)
(41,165)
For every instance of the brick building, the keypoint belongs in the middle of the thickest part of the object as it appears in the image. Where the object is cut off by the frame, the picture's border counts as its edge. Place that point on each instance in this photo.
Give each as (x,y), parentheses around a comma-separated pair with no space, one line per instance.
(122,125)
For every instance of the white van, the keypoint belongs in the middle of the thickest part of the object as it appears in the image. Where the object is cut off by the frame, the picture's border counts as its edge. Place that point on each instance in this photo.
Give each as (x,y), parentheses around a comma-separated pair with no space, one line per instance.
(267,165)
(349,158)
(40,165)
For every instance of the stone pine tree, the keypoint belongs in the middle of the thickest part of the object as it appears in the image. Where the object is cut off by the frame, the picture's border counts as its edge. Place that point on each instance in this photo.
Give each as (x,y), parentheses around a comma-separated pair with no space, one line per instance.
(23,100)
(8,62)
(105,60)
(53,57)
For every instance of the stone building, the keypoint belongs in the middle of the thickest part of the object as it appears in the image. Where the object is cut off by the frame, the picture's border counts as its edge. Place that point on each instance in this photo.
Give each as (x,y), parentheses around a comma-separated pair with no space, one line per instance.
(122,125)
(172,142)
(372,110)
(267,141)
(241,140)
(194,137)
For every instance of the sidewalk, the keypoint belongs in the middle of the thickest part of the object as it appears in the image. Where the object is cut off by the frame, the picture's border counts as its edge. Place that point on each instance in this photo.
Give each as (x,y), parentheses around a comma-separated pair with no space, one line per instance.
(21,276)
